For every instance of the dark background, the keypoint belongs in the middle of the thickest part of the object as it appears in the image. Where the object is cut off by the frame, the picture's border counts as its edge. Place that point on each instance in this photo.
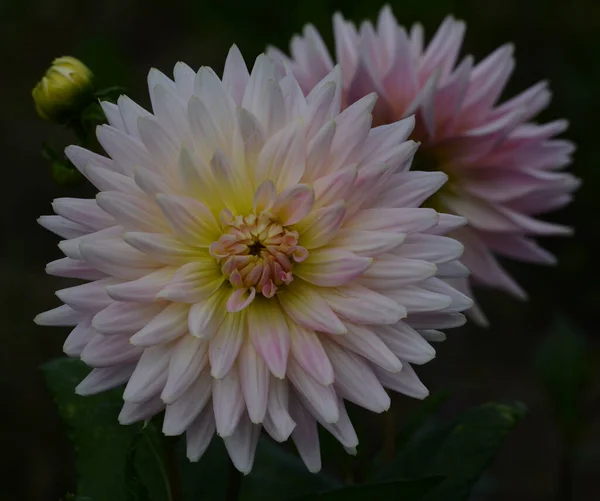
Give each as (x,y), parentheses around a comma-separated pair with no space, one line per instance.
(121,39)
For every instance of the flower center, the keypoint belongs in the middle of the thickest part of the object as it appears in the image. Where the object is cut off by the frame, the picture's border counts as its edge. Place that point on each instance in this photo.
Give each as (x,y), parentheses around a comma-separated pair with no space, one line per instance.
(256,253)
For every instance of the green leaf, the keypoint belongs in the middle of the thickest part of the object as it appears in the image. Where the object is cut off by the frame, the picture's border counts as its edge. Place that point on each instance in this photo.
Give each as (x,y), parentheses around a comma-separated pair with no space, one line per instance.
(418,421)
(64,173)
(207,478)
(73,497)
(93,114)
(405,490)
(565,368)
(421,416)
(49,152)
(459,451)
(113,461)
(276,471)
(112,93)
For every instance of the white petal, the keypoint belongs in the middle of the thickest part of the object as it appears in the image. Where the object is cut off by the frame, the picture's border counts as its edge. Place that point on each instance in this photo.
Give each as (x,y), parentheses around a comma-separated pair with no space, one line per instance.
(282,159)
(63,315)
(418,300)
(117,258)
(254,378)
(362,305)
(105,378)
(278,422)
(62,226)
(113,115)
(90,297)
(133,412)
(310,310)
(293,204)
(355,380)
(180,414)
(80,157)
(188,360)
(405,381)
(193,282)
(125,318)
(322,225)
(306,436)
(235,75)
(73,268)
(390,272)
(241,444)
(131,211)
(406,343)
(226,343)
(403,220)
(336,186)
(71,247)
(162,150)
(105,351)
(218,102)
(331,267)
(436,320)
(130,112)
(79,338)
(322,398)
(189,219)
(205,317)
(150,375)
(269,334)
(368,243)
(310,355)
(366,342)
(144,289)
(228,402)
(168,325)
(162,248)
(199,434)
(433,248)
(184,80)
(83,211)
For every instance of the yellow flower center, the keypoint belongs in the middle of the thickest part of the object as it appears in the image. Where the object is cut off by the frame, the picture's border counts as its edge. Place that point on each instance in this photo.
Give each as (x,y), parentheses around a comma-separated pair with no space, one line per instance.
(257,253)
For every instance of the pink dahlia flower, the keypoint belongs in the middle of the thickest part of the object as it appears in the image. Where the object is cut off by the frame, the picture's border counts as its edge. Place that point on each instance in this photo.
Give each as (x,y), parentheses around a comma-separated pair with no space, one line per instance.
(254,258)
(503,169)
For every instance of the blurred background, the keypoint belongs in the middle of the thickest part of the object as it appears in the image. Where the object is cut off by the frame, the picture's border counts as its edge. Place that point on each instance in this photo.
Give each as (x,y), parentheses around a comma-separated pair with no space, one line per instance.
(555,452)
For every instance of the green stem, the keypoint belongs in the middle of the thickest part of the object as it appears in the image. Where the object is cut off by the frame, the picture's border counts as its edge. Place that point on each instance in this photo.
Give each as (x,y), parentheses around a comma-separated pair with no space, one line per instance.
(78,128)
(564,491)
(234,483)
(390,433)
(172,473)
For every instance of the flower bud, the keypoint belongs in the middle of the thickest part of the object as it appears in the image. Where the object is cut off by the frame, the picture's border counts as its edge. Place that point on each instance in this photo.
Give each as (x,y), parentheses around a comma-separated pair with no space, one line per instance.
(65,89)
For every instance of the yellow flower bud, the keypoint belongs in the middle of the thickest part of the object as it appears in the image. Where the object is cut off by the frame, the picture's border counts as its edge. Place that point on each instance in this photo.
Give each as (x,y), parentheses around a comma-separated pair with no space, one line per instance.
(64,89)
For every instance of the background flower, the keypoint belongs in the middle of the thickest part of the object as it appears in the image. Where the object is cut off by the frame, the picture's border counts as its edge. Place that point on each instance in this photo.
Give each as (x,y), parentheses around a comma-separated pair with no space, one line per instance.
(255,258)
(504,170)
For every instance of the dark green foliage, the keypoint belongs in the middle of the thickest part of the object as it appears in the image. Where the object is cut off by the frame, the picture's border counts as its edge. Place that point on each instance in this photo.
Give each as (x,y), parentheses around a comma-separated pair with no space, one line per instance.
(405,490)
(459,451)
(565,369)
(114,462)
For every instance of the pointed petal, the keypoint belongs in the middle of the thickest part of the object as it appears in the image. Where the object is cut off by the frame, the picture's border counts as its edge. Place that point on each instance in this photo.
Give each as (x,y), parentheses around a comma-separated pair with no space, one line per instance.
(269,334)
(254,378)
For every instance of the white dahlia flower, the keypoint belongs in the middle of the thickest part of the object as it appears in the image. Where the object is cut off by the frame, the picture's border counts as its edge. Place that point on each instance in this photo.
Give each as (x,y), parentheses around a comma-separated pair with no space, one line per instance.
(254,258)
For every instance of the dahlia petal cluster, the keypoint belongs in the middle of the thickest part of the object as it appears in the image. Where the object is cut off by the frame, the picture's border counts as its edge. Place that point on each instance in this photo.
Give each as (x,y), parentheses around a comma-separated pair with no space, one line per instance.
(254,258)
(503,169)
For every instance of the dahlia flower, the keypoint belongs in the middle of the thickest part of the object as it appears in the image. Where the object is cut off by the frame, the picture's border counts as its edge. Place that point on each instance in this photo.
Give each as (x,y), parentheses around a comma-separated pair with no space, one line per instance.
(255,258)
(503,169)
